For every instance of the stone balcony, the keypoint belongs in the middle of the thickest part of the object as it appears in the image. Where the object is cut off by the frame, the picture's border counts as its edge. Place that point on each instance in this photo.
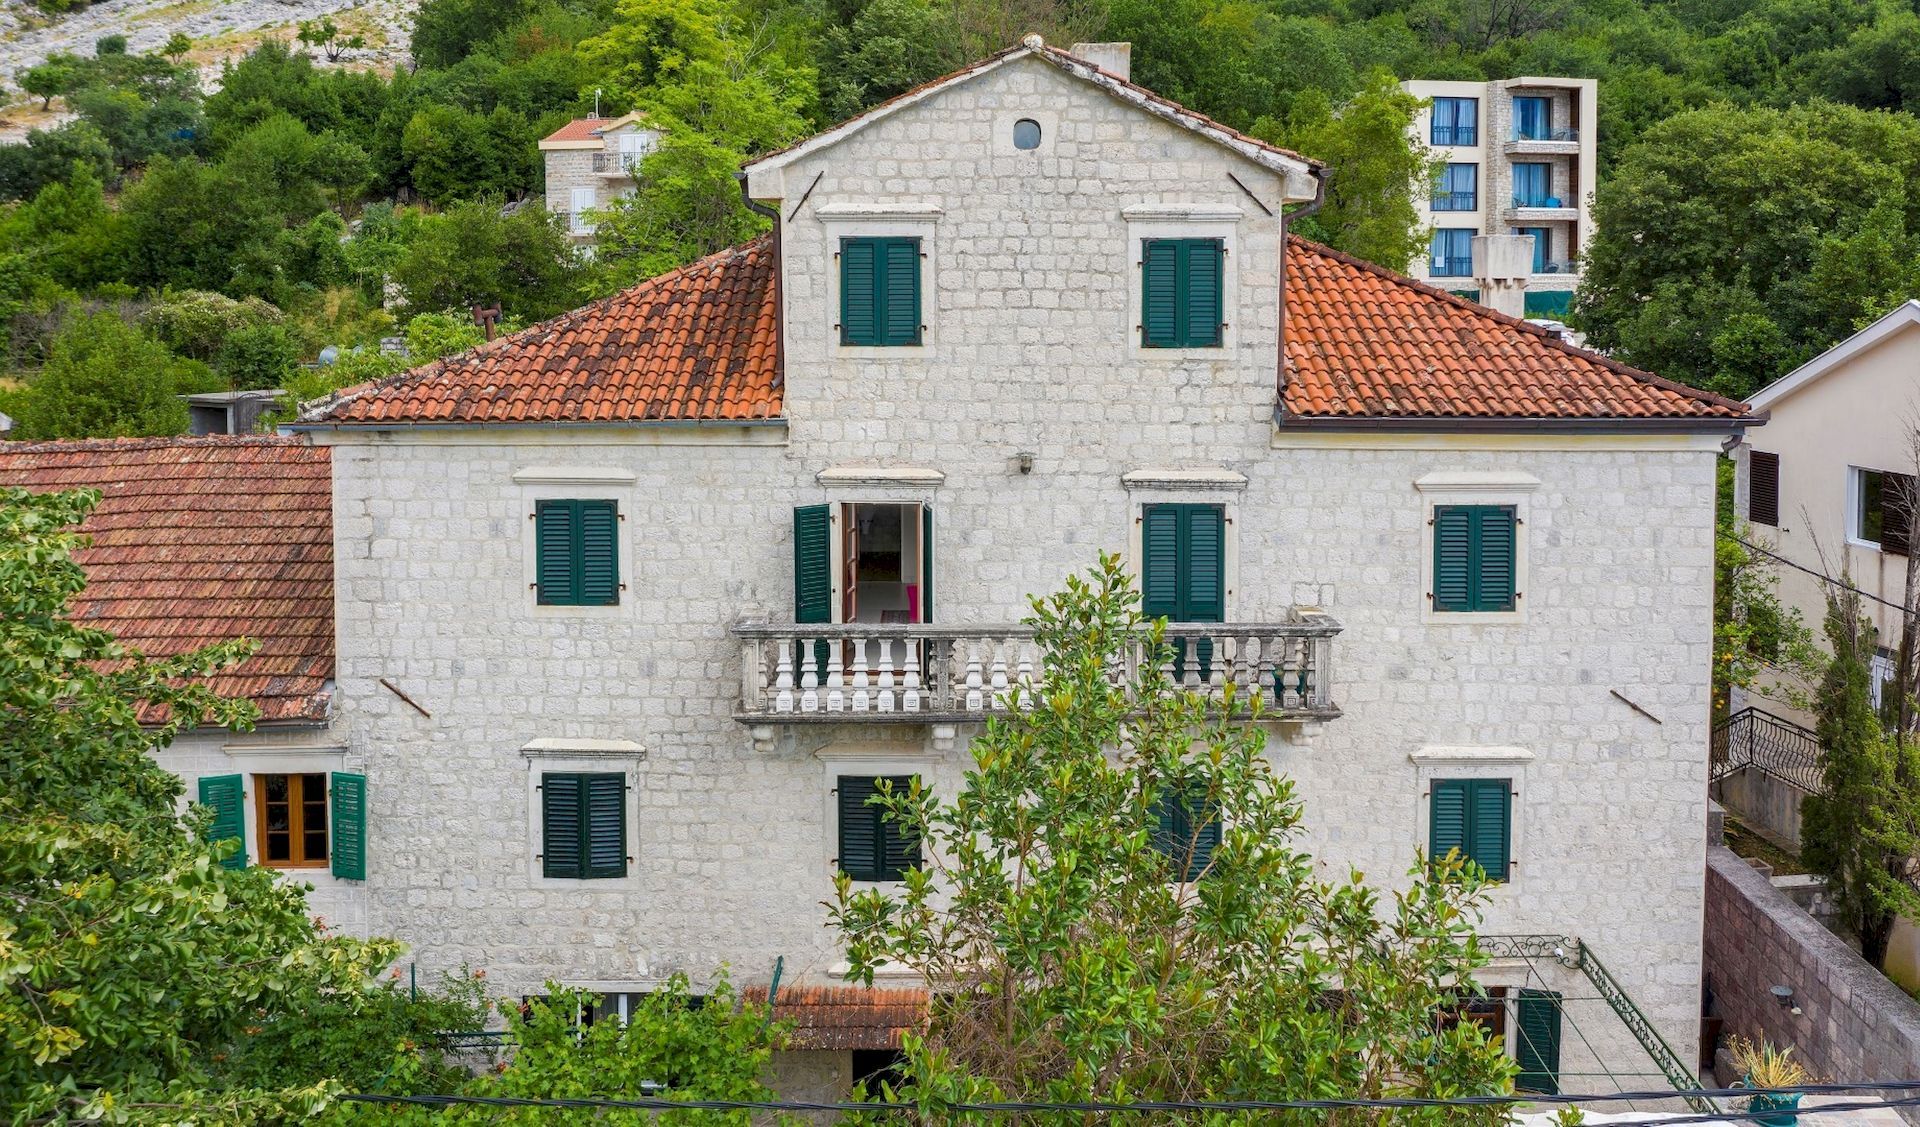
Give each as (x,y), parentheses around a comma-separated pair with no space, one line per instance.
(1544,146)
(943,676)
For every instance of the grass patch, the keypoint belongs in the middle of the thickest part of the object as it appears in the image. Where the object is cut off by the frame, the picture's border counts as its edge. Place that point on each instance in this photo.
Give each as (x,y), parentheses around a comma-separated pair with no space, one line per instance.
(1744,841)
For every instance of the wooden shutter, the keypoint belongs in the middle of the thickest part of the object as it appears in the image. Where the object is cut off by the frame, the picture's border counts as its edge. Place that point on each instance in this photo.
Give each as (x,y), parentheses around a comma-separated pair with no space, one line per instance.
(554,564)
(1179,826)
(605,842)
(1763,488)
(1201,302)
(812,564)
(1160,293)
(859,282)
(860,845)
(899,290)
(1203,563)
(227,796)
(926,563)
(1489,830)
(1537,1047)
(347,813)
(1160,561)
(1452,558)
(599,553)
(1447,809)
(1896,512)
(1494,579)
(562,816)
(899,848)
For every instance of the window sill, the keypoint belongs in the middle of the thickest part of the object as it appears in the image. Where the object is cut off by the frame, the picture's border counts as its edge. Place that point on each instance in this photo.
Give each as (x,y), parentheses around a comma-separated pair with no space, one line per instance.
(1867,545)
(1475,617)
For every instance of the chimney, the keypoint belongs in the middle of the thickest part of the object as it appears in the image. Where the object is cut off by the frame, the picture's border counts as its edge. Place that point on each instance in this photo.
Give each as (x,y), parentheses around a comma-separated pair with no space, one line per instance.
(1114,58)
(1501,264)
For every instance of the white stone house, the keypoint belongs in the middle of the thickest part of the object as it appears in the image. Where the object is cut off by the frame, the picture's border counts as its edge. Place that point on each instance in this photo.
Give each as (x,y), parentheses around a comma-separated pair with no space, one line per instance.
(1521,159)
(590,162)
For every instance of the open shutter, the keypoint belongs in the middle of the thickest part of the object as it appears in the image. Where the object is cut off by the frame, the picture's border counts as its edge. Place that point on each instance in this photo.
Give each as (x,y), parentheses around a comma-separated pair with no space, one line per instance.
(605,843)
(859,281)
(1160,561)
(860,845)
(1537,1047)
(1204,563)
(899,291)
(562,814)
(812,564)
(1763,488)
(1447,818)
(599,553)
(1489,828)
(347,813)
(1159,293)
(227,796)
(555,570)
(1896,512)
(1201,304)
(1453,528)
(1494,558)
(899,849)
(926,563)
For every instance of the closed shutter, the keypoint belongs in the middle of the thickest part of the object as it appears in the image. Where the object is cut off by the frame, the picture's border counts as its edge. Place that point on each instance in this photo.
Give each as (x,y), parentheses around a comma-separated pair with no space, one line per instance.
(926,563)
(1488,830)
(554,565)
(347,813)
(1180,825)
(900,291)
(1896,512)
(899,847)
(599,523)
(1201,305)
(606,836)
(1447,818)
(1474,558)
(1537,1047)
(859,278)
(562,815)
(860,844)
(1494,558)
(1452,558)
(1160,561)
(226,796)
(1160,293)
(1763,488)
(1204,563)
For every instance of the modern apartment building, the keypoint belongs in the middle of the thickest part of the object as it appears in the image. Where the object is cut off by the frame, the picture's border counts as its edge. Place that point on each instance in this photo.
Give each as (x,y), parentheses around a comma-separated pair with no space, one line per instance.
(1520,161)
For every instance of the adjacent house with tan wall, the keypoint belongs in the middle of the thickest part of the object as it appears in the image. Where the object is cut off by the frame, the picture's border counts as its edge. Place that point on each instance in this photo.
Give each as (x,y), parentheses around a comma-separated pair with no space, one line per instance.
(592,161)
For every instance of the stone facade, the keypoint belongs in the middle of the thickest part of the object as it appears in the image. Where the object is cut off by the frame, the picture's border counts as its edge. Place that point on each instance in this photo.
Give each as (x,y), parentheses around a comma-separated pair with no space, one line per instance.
(1030,349)
(598,165)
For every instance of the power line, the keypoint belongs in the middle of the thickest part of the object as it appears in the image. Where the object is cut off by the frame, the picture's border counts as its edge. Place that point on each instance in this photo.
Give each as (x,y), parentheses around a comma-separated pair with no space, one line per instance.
(1820,575)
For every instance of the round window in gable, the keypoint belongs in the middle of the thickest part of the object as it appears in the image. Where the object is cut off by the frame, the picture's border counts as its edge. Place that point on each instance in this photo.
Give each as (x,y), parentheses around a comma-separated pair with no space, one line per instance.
(1026,134)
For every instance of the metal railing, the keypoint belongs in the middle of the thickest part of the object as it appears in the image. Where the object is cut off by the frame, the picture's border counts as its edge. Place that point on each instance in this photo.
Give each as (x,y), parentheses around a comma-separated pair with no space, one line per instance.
(1456,135)
(1538,201)
(1563,134)
(1456,201)
(1777,748)
(623,163)
(1558,266)
(1452,267)
(927,674)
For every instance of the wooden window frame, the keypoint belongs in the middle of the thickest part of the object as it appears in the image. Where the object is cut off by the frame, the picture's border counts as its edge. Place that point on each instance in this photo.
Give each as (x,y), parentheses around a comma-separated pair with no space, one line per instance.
(296,819)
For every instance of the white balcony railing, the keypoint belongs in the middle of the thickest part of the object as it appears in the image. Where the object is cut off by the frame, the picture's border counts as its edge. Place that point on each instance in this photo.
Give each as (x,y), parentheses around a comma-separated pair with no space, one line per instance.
(933,674)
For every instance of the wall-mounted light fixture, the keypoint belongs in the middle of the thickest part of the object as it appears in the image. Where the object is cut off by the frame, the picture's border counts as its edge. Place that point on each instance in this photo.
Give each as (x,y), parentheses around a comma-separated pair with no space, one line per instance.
(1783,995)
(1025,460)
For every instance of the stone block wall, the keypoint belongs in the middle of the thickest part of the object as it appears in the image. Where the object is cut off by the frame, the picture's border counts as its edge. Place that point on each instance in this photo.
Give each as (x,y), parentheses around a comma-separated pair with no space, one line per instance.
(1853,1024)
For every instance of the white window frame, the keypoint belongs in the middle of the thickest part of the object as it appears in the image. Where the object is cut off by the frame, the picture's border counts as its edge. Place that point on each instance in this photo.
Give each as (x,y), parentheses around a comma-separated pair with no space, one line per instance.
(1477,762)
(1855,490)
(579,755)
(854,222)
(1476,488)
(575,483)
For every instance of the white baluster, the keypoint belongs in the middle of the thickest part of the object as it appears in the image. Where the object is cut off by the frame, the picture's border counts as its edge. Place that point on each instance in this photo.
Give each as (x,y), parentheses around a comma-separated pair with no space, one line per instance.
(1024,676)
(910,687)
(1190,660)
(997,651)
(975,699)
(884,699)
(860,701)
(1217,668)
(836,680)
(809,675)
(783,677)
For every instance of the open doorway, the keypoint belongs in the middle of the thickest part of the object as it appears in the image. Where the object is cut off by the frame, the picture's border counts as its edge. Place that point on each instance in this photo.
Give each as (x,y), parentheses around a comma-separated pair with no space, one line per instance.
(883,562)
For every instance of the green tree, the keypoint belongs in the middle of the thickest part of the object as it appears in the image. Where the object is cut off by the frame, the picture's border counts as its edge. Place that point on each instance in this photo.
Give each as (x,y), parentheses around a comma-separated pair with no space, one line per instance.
(50,79)
(1861,831)
(105,378)
(1085,954)
(1760,644)
(472,254)
(131,960)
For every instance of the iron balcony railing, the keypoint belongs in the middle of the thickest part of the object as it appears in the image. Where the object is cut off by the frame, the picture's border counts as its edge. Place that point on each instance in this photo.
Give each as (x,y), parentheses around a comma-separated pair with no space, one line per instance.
(1456,201)
(622,163)
(1557,266)
(1564,134)
(1456,135)
(1774,747)
(1460,266)
(933,674)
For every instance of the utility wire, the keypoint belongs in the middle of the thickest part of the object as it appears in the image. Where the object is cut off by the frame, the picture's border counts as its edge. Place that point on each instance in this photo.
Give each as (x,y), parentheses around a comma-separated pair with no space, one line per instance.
(1820,575)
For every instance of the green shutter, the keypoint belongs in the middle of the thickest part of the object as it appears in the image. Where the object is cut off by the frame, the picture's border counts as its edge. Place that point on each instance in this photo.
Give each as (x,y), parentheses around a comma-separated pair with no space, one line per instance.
(599,553)
(1494,558)
(562,815)
(1474,816)
(1202,299)
(926,563)
(1447,818)
(1160,293)
(812,564)
(1537,1044)
(554,570)
(227,796)
(1160,561)
(1204,563)
(860,844)
(1453,558)
(859,281)
(1177,827)
(604,843)
(347,814)
(900,291)
(899,849)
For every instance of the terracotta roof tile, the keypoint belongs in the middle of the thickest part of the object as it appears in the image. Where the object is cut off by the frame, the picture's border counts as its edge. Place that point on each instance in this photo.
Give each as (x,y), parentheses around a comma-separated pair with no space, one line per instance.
(579,129)
(845,1017)
(201,540)
(695,344)
(1364,342)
